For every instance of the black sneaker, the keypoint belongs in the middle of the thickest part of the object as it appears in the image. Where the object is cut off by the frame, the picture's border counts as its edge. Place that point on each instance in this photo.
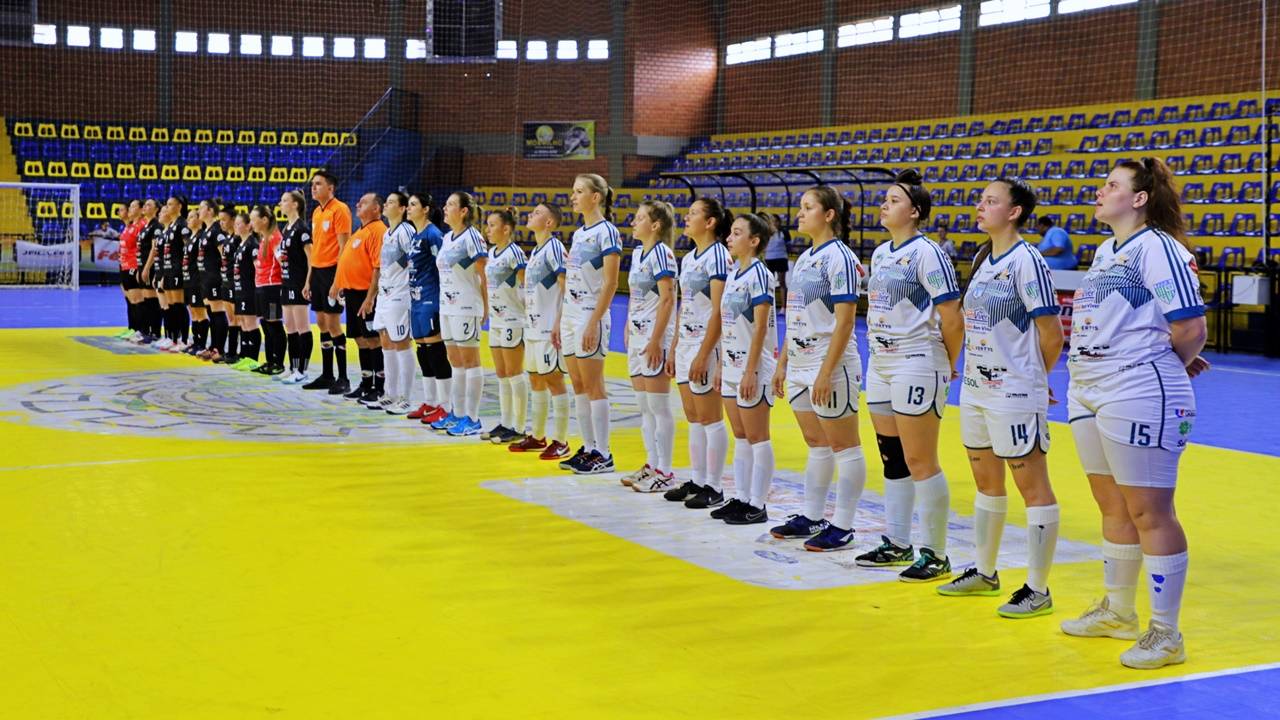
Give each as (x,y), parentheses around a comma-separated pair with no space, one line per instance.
(340,387)
(730,507)
(707,497)
(798,526)
(324,382)
(682,493)
(927,568)
(508,437)
(359,391)
(370,398)
(595,464)
(750,515)
(887,555)
(573,462)
(497,430)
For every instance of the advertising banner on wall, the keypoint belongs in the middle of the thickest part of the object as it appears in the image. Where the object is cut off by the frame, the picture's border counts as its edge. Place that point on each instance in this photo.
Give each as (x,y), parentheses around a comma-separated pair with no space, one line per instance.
(560,140)
(34,256)
(106,254)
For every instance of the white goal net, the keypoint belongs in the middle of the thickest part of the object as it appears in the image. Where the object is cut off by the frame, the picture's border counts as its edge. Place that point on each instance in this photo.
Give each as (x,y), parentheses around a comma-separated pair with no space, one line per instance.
(40,236)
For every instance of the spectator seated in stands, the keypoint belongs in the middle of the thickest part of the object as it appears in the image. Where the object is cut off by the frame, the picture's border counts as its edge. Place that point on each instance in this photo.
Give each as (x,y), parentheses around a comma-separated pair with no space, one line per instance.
(104,231)
(1055,245)
(948,246)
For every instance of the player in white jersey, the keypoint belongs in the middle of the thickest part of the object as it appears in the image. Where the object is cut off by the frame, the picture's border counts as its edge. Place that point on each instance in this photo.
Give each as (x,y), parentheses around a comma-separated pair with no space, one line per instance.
(650,336)
(544,284)
(1012,341)
(391,313)
(505,275)
(915,332)
(1137,329)
(594,258)
(464,306)
(749,343)
(695,360)
(820,371)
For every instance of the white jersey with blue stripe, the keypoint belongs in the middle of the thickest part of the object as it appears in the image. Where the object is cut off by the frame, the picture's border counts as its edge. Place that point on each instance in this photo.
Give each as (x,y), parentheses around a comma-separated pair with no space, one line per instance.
(744,290)
(585,270)
(542,289)
(393,276)
(822,277)
(1126,301)
(907,283)
(506,295)
(1003,367)
(460,293)
(697,270)
(647,268)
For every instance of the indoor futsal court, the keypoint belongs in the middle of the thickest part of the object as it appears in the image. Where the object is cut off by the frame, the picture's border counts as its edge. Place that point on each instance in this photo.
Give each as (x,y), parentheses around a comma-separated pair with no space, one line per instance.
(288,292)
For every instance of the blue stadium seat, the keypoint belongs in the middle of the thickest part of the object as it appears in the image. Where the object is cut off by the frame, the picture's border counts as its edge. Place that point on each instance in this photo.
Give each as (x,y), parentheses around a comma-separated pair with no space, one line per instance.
(1220,111)
(1044,195)
(1088,143)
(1036,124)
(167,154)
(1241,135)
(1193,112)
(1250,192)
(1075,169)
(243,194)
(1122,118)
(1064,195)
(1193,192)
(110,191)
(1247,109)
(189,154)
(1212,224)
(1186,137)
(1100,120)
(1245,224)
(1053,169)
(1086,195)
(1099,168)
(233,155)
(1145,116)
(1075,121)
(1211,135)
(1014,127)
(1222,192)
(1168,114)
(1044,146)
(1201,164)
(1176,163)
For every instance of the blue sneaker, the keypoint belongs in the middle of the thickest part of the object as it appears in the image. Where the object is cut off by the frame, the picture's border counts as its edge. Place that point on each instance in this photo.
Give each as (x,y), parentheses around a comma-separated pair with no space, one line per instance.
(444,423)
(465,428)
(830,539)
(798,526)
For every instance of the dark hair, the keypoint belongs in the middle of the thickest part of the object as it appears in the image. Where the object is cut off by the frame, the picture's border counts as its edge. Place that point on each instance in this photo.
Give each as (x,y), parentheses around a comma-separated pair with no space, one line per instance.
(830,199)
(298,198)
(1022,195)
(468,203)
(328,176)
(507,215)
(435,215)
(214,204)
(1045,220)
(600,185)
(243,216)
(913,185)
(182,202)
(662,213)
(225,209)
(1164,211)
(401,197)
(719,213)
(556,213)
(758,227)
(153,201)
(265,212)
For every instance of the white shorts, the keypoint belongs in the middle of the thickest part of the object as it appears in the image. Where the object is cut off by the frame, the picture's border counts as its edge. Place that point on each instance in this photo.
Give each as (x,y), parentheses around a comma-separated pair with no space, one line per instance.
(1007,434)
(636,342)
(542,358)
(506,337)
(686,351)
(911,391)
(571,338)
(764,390)
(461,330)
(392,315)
(844,395)
(1134,425)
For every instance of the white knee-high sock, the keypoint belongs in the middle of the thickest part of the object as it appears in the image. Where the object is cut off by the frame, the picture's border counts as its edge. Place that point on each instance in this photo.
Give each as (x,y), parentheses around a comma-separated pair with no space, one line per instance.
(444,392)
(600,418)
(504,401)
(935,505)
(697,453)
(1120,567)
(742,462)
(899,500)
(459,394)
(989,512)
(519,402)
(851,478)
(646,428)
(429,392)
(664,429)
(717,450)
(817,481)
(390,363)
(761,473)
(1166,576)
(1042,539)
(541,399)
(560,406)
(406,374)
(475,389)
(582,403)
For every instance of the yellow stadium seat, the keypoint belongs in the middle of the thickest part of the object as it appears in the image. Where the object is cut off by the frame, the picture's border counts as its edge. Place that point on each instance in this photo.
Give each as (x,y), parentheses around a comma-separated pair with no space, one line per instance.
(92,132)
(329,139)
(68,210)
(46,130)
(56,168)
(213,173)
(96,211)
(102,171)
(79,169)
(298,176)
(46,210)
(242,209)
(182,135)
(289,137)
(348,139)
(69,131)
(246,137)
(33,168)
(310,138)
(137,134)
(115,133)
(279,175)
(147,172)
(226,137)
(126,171)
(204,135)
(257,174)
(268,137)
(22,129)
(169,172)
(235,173)
(191,173)
(280,216)
(160,135)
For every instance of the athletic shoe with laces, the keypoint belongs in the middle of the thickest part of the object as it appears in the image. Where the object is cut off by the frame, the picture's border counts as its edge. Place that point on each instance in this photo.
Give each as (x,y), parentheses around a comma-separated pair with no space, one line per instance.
(253,365)
(577,457)
(466,427)
(434,415)
(887,555)
(595,464)
(928,567)
(749,515)
(706,497)
(340,387)
(1160,645)
(399,407)
(798,526)
(725,509)
(373,401)
(357,393)
(972,582)
(444,423)
(528,444)
(831,539)
(423,409)
(555,451)
(509,436)
(263,369)
(656,481)
(122,334)
(293,378)
(686,490)
(1101,621)
(1027,603)
(496,429)
(642,474)
(162,344)
(322,382)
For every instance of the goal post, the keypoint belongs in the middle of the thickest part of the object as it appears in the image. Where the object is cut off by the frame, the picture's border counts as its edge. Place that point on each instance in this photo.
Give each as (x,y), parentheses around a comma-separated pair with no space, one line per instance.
(40,235)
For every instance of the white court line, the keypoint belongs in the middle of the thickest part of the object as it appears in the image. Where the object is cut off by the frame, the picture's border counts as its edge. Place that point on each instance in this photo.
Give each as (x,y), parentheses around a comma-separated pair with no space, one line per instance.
(1012,702)
(1243,371)
(164,458)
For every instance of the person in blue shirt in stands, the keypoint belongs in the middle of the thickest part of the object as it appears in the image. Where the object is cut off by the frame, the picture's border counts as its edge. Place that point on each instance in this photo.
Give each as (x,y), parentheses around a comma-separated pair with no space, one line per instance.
(1055,246)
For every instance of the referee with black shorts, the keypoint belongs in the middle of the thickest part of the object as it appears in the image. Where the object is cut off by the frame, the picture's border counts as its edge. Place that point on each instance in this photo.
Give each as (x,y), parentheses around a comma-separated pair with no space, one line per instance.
(357,285)
(330,228)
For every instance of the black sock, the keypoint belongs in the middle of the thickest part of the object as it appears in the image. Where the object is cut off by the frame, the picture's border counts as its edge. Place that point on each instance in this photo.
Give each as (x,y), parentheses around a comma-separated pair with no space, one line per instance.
(305,341)
(326,353)
(218,331)
(275,342)
(340,355)
(254,344)
(199,333)
(439,358)
(131,315)
(182,320)
(233,341)
(291,343)
(424,360)
(157,318)
(379,370)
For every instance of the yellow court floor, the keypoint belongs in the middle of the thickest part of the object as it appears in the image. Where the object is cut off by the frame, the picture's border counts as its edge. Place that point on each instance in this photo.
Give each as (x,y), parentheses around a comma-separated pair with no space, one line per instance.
(158,560)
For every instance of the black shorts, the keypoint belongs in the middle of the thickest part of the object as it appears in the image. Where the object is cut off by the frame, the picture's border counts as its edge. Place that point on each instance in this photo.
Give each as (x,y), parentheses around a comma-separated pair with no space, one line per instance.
(322,279)
(357,327)
(171,281)
(778,266)
(292,296)
(267,298)
(193,294)
(211,288)
(129,279)
(246,302)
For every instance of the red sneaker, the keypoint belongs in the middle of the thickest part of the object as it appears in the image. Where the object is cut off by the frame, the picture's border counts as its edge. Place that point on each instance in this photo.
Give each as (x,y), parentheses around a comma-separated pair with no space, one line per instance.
(423,409)
(434,415)
(557,450)
(528,444)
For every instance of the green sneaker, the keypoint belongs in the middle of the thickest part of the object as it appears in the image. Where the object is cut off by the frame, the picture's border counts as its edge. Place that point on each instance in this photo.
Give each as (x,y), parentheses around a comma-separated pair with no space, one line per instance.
(927,568)
(123,334)
(1027,603)
(887,555)
(972,582)
(253,365)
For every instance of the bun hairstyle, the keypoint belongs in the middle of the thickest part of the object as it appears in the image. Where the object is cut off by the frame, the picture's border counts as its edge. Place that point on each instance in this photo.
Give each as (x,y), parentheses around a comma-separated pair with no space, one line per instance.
(507,215)
(471,210)
(556,213)
(1164,210)
(830,199)
(1022,195)
(719,213)
(600,185)
(758,227)
(913,185)
(665,215)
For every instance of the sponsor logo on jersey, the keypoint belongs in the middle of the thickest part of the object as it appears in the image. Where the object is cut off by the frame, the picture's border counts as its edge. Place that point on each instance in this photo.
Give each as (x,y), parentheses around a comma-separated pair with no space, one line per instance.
(1032,288)
(1184,413)
(1164,290)
(935,278)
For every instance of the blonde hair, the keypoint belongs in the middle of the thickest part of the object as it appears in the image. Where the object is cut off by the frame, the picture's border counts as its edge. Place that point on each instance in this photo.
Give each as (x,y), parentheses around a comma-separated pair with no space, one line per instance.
(665,215)
(600,185)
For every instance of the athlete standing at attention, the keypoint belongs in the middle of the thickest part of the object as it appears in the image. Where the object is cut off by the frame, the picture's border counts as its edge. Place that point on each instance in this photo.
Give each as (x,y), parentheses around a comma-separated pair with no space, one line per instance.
(424,294)
(464,305)
(294,254)
(391,314)
(505,282)
(330,229)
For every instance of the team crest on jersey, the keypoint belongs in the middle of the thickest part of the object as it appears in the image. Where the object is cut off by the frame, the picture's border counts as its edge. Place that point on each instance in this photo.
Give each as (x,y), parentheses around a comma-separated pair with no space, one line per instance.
(1032,288)
(1164,290)
(935,278)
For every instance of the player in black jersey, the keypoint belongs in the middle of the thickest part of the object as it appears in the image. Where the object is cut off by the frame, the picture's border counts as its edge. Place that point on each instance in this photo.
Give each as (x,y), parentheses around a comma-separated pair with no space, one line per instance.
(294,253)
(244,268)
(173,240)
(193,290)
(145,260)
(228,251)
(209,268)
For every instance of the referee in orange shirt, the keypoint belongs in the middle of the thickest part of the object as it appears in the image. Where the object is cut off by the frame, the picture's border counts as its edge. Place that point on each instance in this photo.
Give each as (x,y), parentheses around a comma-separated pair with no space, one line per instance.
(357,285)
(330,228)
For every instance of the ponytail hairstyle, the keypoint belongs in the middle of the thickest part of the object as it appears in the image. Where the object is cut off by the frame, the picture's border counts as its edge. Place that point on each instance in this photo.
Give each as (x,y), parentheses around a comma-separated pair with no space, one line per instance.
(243,216)
(182,209)
(758,227)
(435,214)
(1164,211)
(266,212)
(223,208)
(600,185)
(468,204)
(507,215)
(1022,195)
(665,215)
(402,196)
(830,199)
(913,185)
(719,213)
(556,213)
(214,205)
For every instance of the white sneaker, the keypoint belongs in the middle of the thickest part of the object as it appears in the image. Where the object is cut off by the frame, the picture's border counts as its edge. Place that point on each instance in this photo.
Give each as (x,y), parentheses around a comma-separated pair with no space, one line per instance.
(299,377)
(282,377)
(638,476)
(162,344)
(1160,645)
(399,407)
(655,481)
(135,338)
(1101,621)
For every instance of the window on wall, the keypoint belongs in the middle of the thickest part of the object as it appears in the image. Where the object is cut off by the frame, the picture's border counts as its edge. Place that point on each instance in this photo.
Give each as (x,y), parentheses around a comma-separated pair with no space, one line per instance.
(250,44)
(312,46)
(1070,6)
(344,47)
(44,34)
(798,43)
(749,51)
(282,45)
(597,49)
(78,36)
(865,32)
(111,38)
(997,12)
(218,43)
(144,40)
(929,22)
(535,50)
(508,50)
